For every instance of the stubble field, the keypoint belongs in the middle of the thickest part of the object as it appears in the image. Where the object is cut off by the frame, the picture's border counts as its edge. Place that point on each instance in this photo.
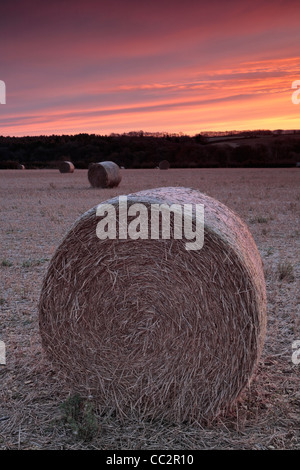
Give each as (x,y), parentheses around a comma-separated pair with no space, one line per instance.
(37,209)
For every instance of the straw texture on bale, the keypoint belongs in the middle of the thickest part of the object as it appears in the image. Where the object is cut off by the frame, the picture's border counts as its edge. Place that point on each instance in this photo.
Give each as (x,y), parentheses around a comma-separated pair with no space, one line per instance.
(66,167)
(149,326)
(104,175)
(164,165)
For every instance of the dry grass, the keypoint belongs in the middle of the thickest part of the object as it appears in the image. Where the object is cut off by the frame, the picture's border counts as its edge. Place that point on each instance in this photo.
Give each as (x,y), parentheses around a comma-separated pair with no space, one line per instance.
(286,271)
(32,393)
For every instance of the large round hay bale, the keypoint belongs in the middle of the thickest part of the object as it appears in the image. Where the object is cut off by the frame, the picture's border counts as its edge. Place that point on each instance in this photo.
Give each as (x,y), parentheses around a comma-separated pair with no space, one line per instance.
(104,175)
(66,167)
(20,166)
(149,326)
(164,165)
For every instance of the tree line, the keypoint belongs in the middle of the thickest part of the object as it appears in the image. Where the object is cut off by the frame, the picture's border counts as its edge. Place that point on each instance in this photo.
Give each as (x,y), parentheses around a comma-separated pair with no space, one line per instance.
(145,150)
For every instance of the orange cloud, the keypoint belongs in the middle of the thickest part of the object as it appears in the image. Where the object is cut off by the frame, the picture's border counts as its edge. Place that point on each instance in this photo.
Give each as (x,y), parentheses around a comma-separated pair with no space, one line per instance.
(169,66)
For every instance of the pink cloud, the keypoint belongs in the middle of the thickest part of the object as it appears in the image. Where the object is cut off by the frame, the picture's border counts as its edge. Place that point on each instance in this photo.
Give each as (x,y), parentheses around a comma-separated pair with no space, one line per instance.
(99,66)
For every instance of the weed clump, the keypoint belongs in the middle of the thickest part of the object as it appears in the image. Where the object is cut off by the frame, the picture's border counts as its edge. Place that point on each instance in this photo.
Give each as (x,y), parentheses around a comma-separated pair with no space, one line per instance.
(79,415)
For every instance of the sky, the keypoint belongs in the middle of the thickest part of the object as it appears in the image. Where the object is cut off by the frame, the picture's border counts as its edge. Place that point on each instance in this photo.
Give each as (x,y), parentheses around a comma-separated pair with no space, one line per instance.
(115,66)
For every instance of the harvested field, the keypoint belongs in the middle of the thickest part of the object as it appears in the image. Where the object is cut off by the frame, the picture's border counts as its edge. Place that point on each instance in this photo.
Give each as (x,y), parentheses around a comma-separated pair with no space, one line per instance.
(38,208)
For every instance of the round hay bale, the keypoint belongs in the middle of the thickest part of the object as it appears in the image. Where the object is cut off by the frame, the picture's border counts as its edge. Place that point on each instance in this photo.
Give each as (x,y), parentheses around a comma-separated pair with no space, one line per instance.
(149,326)
(66,167)
(104,175)
(20,167)
(164,165)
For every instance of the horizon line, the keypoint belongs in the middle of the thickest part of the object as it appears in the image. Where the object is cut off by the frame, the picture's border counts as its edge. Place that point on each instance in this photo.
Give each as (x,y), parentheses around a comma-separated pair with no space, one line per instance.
(162,133)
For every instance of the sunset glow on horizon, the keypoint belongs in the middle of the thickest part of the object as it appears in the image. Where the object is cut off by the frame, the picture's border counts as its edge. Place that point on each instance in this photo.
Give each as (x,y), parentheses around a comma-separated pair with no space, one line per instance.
(111,67)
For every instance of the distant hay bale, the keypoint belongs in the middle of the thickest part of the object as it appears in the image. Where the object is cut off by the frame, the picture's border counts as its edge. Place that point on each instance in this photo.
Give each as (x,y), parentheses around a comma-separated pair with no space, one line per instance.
(20,167)
(148,326)
(164,165)
(104,175)
(66,167)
